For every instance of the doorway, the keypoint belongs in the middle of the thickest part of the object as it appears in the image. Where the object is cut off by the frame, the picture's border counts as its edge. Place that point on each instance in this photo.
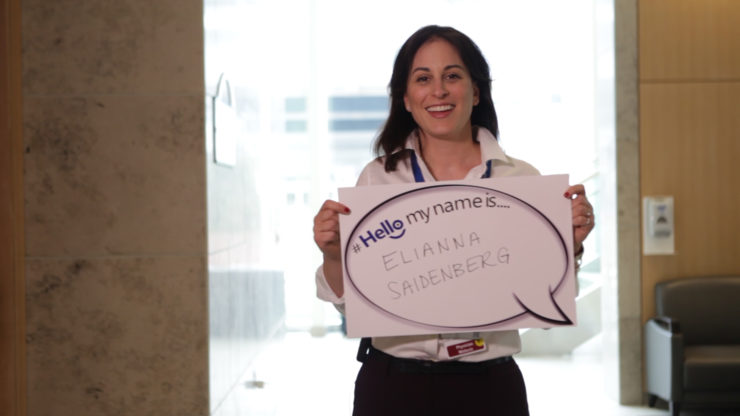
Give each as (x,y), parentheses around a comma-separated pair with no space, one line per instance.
(309,102)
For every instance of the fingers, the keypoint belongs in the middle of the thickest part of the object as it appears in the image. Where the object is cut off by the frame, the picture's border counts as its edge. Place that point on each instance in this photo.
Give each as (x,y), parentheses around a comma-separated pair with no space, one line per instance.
(328,216)
(583,214)
(574,191)
(582,211)
(334,206)
(326,227)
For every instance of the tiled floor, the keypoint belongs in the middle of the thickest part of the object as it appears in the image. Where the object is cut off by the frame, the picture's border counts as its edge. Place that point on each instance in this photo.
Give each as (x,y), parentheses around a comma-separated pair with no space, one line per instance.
(303,375)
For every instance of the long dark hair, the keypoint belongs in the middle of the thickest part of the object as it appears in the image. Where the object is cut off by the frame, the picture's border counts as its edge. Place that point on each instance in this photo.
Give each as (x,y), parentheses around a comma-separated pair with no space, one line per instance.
(400,123)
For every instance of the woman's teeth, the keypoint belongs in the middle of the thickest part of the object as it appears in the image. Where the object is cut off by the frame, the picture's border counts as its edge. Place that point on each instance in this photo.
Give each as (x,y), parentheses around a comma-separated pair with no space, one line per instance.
(440,108)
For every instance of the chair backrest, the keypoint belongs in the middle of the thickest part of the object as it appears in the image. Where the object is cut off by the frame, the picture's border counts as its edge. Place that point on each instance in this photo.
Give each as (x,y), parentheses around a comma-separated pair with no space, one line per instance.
(707,308)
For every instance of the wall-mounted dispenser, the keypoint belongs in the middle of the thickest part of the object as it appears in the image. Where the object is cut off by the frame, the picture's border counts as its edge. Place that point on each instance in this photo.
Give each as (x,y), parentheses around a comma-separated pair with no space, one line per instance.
(657,224)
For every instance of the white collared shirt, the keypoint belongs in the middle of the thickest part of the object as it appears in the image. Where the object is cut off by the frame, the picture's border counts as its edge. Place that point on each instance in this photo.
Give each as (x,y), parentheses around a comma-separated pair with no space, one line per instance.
(432,347)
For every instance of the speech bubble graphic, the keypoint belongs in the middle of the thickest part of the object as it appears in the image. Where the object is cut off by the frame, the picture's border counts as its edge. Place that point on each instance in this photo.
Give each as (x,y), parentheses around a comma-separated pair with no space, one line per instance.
(453,244)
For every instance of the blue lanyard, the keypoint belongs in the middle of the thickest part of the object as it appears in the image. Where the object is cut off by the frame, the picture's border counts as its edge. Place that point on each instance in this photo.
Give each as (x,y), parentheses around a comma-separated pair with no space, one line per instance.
(419,177)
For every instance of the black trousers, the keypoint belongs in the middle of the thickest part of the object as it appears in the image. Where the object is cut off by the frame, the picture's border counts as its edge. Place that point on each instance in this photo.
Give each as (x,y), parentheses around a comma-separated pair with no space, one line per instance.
(388,386)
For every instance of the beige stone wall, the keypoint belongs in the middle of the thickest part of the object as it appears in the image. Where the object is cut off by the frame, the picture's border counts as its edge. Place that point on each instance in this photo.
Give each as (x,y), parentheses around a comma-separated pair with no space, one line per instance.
(624,375)
(115,207)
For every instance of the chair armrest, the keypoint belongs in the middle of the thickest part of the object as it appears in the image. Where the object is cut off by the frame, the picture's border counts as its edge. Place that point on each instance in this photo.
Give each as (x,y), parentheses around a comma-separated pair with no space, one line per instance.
(664,358)
(668,323)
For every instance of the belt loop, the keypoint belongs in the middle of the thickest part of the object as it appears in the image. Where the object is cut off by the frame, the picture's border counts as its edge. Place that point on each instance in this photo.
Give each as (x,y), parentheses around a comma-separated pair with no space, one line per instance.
(364,350)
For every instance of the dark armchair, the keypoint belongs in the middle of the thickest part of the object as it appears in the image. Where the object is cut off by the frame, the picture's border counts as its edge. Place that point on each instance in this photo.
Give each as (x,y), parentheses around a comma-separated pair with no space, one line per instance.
(692,346)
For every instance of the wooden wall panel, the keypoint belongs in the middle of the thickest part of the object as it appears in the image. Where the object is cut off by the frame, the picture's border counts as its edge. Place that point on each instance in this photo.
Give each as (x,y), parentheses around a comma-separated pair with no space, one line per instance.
(689,82)
(689,39)
(12,288)
(690,148)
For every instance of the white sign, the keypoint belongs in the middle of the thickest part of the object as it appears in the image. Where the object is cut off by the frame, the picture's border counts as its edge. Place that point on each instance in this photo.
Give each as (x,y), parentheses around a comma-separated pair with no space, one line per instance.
(458,256)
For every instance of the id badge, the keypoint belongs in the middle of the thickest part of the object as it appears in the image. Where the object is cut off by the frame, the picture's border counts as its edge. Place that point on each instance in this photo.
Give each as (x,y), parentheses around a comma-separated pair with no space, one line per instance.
(461,349)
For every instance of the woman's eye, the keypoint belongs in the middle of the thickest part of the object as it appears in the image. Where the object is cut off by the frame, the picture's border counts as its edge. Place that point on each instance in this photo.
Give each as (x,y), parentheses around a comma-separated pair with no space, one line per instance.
(422,78)
(453,76)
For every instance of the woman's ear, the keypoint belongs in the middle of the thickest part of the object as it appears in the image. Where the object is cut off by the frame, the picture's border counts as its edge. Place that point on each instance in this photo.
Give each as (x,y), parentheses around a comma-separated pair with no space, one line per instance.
(476,95)
(406,103)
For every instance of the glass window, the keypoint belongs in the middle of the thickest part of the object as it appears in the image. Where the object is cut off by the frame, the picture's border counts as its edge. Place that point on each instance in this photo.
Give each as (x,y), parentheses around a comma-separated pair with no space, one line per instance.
(311,85)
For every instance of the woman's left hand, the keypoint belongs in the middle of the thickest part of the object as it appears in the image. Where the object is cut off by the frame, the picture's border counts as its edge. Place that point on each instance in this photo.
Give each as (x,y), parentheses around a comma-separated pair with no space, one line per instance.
(583,215)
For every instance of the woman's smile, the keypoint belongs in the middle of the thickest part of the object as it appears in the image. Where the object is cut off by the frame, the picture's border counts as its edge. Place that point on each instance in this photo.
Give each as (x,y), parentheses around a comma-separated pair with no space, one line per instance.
(440,111)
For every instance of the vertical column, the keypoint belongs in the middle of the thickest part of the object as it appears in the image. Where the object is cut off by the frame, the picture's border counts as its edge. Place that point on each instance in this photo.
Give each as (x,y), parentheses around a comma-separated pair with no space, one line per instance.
(115,207)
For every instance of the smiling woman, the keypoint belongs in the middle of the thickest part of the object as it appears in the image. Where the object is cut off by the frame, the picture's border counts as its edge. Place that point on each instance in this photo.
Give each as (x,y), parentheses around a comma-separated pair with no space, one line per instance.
(442,126)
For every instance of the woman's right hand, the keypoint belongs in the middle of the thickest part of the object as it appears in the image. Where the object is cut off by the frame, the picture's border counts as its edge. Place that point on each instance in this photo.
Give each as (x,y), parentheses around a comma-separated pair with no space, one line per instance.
(326,228)
(326,236)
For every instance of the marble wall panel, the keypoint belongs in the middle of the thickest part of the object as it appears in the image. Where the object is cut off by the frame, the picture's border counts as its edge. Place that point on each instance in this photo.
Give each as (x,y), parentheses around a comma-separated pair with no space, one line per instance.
(114,175)
(109,47)
(117,336)
(628,204)
(630,363)
(115,204)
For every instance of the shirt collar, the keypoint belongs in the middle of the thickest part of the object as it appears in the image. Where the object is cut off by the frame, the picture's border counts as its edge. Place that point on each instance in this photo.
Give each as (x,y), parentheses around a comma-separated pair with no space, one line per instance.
(489,147)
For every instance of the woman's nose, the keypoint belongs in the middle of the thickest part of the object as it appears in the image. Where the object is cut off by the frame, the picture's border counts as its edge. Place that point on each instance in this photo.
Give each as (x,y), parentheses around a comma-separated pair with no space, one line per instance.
(440,89)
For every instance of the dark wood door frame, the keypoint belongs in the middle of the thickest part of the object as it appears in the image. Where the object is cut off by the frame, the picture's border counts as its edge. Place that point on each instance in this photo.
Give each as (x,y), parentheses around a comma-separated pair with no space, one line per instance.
(12,287)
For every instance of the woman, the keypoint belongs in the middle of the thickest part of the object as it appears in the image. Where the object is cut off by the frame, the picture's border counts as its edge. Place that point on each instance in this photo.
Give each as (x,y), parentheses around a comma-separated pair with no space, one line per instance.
(442,126)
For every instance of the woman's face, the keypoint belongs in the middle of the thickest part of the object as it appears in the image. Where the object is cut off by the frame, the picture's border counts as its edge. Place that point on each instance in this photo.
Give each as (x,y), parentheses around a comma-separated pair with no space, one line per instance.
(440,93)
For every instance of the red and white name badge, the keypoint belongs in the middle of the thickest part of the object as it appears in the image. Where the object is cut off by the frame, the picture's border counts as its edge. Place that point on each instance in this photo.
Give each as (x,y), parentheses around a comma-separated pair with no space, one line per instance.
(461,349)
